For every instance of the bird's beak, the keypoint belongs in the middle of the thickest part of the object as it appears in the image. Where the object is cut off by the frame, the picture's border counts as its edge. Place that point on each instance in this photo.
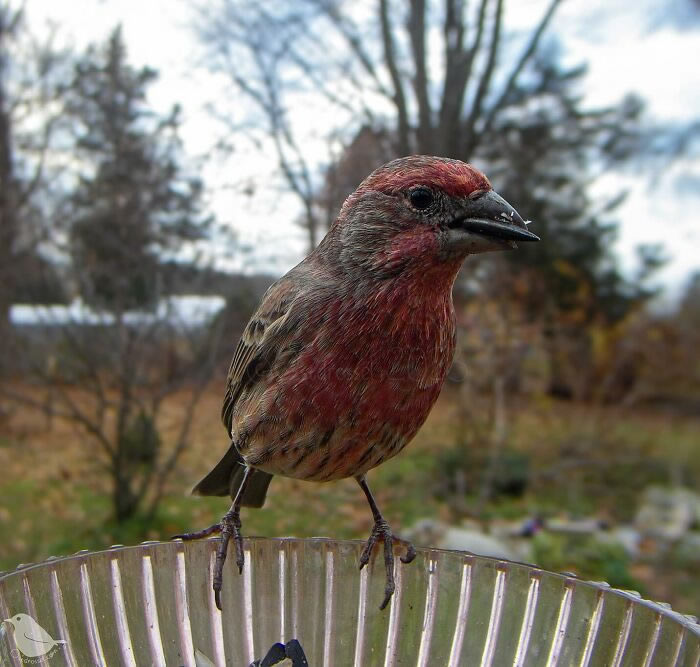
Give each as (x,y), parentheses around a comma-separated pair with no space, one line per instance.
(487,222)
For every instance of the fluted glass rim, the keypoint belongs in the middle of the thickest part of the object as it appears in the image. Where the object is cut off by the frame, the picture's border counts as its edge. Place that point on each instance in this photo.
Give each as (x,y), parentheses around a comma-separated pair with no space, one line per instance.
(688,621)
(152,603)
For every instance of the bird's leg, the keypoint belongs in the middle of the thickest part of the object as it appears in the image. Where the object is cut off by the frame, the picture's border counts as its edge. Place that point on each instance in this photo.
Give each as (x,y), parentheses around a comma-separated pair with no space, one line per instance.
(229,526)
(382,530)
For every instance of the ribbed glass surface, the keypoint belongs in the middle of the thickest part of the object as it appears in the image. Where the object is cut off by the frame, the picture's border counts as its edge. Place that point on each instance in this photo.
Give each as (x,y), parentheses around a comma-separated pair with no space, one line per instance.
(152,605)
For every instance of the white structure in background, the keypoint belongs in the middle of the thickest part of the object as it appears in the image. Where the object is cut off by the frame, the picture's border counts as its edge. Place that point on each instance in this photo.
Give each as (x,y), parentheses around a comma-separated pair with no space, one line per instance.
(185,310)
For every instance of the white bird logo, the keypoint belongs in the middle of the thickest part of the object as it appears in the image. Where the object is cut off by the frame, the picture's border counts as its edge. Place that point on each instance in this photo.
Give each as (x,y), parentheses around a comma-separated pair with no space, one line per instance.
(30,637)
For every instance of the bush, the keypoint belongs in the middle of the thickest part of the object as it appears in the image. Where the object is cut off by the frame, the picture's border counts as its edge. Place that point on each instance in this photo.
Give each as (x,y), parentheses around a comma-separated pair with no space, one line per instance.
(586,557)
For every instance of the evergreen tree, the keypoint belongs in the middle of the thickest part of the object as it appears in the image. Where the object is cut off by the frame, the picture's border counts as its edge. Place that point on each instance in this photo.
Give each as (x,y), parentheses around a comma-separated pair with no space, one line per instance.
(133,206)
(131,213)
(543,155)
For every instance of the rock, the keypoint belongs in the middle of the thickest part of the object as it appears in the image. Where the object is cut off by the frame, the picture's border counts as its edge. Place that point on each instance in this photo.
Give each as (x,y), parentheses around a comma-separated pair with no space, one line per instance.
(626,536)
(687,551)
(428,532)
(667,514)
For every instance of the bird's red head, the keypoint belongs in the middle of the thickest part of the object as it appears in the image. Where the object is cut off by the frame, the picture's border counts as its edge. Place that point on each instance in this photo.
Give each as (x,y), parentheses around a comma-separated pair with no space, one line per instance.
(421,212)
(451,177)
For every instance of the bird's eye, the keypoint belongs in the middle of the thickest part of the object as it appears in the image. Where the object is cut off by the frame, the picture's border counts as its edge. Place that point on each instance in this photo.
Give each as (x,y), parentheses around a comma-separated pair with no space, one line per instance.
(421,198)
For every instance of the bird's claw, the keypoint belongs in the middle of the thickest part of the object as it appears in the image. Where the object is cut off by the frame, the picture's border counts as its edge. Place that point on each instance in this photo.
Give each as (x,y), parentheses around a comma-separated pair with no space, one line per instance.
(229,526)
(382,530)
(410,550)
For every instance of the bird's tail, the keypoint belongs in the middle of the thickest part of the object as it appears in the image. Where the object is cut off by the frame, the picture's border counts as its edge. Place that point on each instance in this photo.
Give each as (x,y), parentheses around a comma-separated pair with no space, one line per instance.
(226,477)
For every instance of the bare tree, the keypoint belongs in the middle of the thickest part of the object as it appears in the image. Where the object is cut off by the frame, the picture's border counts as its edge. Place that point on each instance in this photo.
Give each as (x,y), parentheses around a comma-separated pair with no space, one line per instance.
(372,64)
(258,36)
(130,383)
(446,78)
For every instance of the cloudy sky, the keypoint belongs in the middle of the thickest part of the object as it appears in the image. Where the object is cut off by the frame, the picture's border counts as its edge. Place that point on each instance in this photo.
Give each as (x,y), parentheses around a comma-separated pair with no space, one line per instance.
(647,46)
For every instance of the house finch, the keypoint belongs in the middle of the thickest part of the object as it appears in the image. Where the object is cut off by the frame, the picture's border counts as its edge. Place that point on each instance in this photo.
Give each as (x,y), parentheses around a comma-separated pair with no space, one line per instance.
(343,360)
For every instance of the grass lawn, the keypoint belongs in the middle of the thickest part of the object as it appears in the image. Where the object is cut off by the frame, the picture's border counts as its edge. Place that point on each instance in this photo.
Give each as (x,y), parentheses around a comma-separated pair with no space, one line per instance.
(55,490)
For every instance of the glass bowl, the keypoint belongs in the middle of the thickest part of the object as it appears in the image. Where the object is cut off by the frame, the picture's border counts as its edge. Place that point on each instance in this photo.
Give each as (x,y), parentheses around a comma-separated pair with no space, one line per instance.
(152,604)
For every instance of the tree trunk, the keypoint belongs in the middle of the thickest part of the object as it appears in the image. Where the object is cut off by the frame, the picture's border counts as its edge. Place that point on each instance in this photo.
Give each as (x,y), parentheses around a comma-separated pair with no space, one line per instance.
(124,501)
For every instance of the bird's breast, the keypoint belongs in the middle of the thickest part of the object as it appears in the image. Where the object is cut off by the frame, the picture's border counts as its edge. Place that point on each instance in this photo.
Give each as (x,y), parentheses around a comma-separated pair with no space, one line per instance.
(385,356)
(358,391)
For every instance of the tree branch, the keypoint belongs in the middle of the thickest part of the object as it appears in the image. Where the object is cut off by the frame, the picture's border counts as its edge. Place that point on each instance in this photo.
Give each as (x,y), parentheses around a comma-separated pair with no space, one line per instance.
(416,30)
(352,36)
(72,414)
(470,141)
(529,51)
(399,97)
(458,72)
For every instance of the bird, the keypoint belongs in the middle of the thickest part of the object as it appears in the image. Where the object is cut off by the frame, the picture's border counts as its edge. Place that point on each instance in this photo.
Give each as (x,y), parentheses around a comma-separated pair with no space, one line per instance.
(345,356)
(30,637)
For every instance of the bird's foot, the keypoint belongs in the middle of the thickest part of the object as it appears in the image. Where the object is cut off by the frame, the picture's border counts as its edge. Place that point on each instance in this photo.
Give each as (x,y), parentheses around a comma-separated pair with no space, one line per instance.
(382,530)
(229,526)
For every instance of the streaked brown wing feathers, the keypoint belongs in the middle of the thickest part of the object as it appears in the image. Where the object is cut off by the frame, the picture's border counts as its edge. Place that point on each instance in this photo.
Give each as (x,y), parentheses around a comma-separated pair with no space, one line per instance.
(256,349)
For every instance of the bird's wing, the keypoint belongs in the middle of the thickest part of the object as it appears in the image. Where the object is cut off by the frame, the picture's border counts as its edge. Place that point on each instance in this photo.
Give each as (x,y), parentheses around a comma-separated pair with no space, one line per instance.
(41,637)
(258,345)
